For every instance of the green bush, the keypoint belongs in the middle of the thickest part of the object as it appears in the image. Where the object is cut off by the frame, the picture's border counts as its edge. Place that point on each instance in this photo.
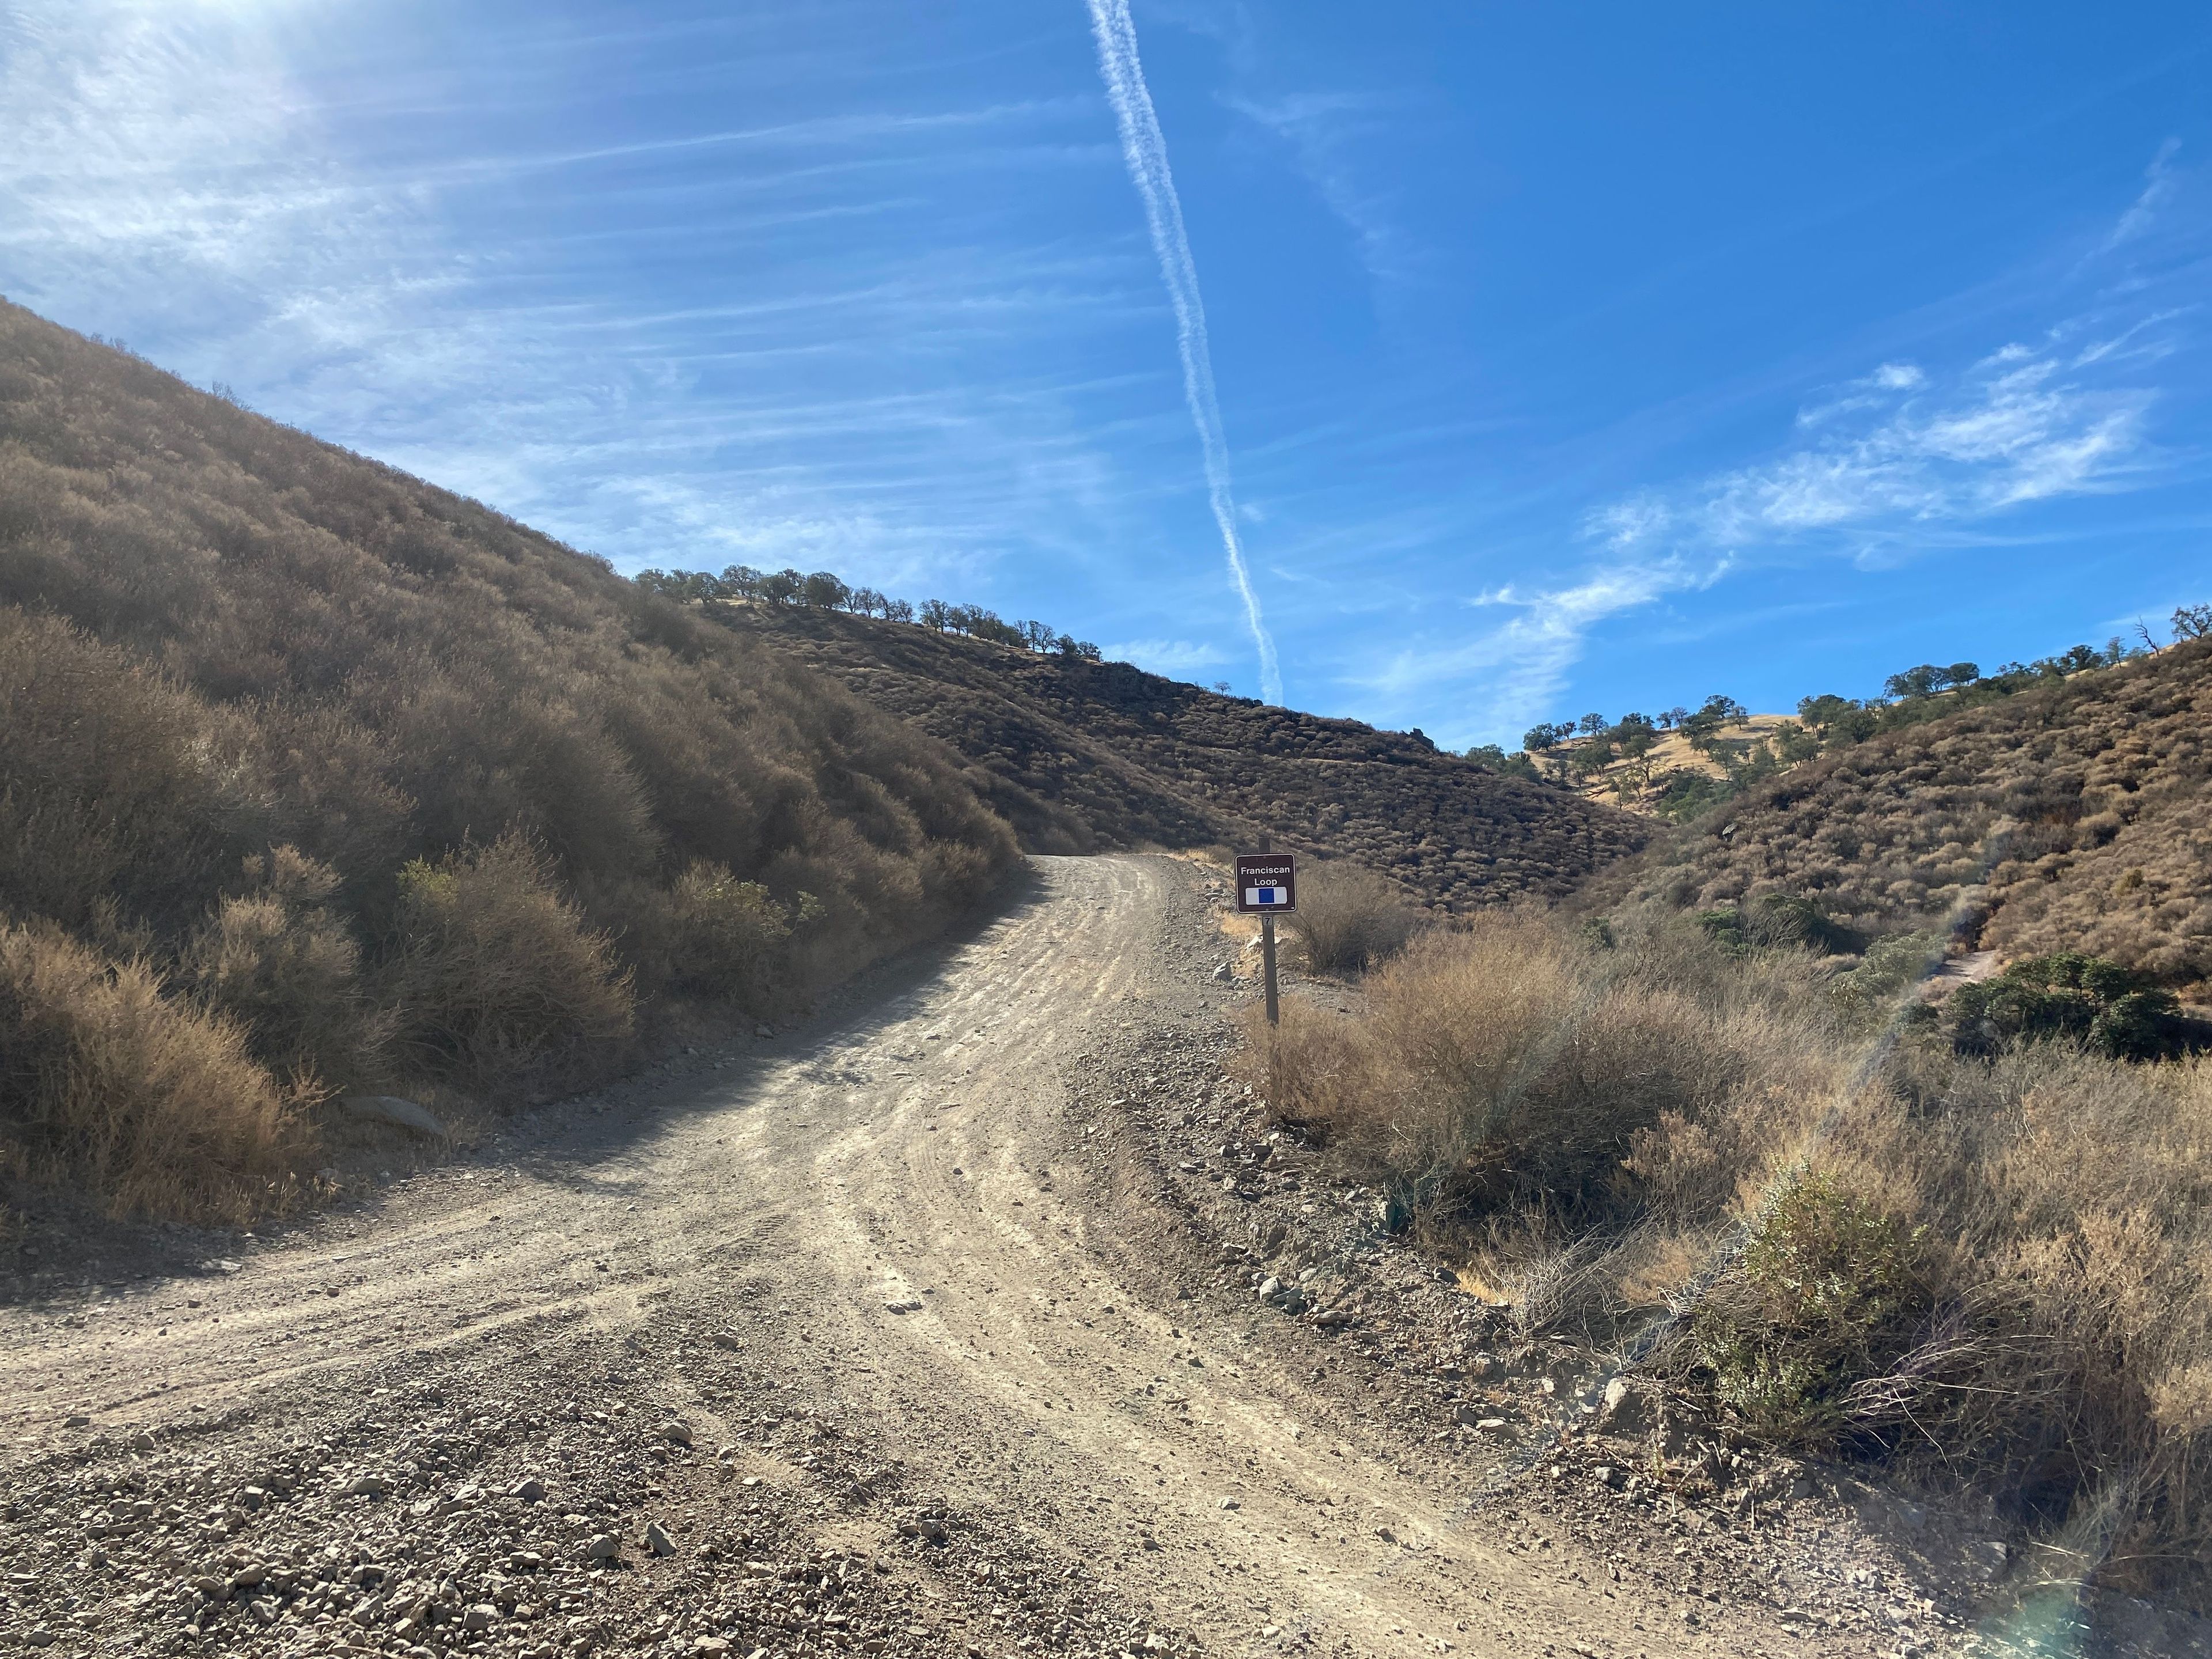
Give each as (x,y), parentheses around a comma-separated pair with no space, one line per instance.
(2070,996)
(1777,919)
(1889,966)
(1829,1289)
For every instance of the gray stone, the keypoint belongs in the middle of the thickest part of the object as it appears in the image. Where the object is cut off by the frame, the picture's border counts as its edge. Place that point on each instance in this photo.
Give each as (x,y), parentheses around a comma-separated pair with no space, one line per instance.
(400,1114)
(658,1540)
(1989,1557)
(1622,1409)
(76,1420)
(677,1434)
(1270,1287)
(603,1547)
(141,1442)
(530,1491)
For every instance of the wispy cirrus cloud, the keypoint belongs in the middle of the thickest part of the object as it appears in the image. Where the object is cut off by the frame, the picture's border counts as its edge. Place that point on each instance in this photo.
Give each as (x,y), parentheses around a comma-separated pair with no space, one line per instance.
(461,295)
(2159,185)
(1897,457)
(1175,658)
(1321,131)
(1896,449)
(1512,669)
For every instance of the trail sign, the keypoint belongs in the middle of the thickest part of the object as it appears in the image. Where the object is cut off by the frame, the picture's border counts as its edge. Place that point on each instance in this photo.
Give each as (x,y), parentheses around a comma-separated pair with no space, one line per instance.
(1267,882)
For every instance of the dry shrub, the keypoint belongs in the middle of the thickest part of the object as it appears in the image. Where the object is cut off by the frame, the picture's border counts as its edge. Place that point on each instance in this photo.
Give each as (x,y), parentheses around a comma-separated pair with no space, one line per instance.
(2070,818)
(728,933)
(1349,918)
(281,961)
(1510,1063)
(495,975)
(1996,1270)
(219,636)
(153,1104)
(117,793)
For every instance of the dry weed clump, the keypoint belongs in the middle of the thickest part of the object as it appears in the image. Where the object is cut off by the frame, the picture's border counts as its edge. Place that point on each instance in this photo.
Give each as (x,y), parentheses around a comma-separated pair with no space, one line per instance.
(1349,918)
(279,960)
(1505,1065)
(274,719)
(153,1104)
(1997,1269)
(495,972)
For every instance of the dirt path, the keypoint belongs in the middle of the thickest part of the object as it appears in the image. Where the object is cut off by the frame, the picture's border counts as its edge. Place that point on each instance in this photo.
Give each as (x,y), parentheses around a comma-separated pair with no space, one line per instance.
(874,1262)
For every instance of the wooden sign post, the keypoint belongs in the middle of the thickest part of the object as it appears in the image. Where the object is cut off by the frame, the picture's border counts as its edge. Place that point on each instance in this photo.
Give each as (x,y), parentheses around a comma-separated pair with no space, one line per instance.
(1268,884)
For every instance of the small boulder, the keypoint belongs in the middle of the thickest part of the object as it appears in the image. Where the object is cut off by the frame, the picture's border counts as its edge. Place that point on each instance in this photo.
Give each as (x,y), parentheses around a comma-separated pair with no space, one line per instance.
(531,1489)
(400,1114)
(658,1540)
(1623,1410)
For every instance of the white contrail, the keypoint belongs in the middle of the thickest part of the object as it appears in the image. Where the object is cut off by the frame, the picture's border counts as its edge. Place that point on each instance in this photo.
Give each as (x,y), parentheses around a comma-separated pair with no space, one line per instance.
(1147,151)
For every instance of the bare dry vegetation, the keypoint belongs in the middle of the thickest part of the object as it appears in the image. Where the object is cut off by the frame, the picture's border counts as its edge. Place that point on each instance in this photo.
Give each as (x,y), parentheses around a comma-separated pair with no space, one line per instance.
(2074,817)
(1349,919)
(1994,1270)
(313,777)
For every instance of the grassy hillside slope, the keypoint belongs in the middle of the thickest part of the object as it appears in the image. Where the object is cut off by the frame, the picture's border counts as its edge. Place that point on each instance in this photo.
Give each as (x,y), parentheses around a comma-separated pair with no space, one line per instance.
(313,776)
(2075,817)
(1079,755)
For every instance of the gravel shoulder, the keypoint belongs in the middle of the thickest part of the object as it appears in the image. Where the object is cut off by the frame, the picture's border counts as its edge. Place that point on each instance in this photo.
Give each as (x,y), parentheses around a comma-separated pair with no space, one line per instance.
(928,1328)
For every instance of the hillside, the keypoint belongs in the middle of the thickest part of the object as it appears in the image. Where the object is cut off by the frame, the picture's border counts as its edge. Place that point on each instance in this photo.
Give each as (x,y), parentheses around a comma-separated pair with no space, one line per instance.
(2076,816)
(1080,754)
(315,777)
(1672,775)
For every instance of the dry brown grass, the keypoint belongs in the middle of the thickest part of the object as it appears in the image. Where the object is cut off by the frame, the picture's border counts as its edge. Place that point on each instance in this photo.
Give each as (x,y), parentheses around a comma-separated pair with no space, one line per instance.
(494,973)
(1349,919)
(147,1102)
(1998,1271)
(249,681)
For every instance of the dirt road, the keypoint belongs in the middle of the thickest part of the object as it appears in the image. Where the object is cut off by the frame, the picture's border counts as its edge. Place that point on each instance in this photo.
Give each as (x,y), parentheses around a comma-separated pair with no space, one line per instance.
(884,1266)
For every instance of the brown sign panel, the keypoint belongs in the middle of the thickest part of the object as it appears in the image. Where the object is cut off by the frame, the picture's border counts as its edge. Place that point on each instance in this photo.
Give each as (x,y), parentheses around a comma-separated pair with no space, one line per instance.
(1266,882)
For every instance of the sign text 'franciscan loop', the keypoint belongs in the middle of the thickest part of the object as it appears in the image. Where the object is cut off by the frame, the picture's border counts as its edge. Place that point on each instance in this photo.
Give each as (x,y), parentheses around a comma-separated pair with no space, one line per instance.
(1266,882)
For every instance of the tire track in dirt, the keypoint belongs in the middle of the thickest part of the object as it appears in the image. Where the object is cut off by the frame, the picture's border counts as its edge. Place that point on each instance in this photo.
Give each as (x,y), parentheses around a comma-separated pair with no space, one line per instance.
(883,1209)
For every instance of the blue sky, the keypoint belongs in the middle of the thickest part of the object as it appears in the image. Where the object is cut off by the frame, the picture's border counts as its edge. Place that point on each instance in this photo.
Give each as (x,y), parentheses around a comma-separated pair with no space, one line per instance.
(1566,357)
